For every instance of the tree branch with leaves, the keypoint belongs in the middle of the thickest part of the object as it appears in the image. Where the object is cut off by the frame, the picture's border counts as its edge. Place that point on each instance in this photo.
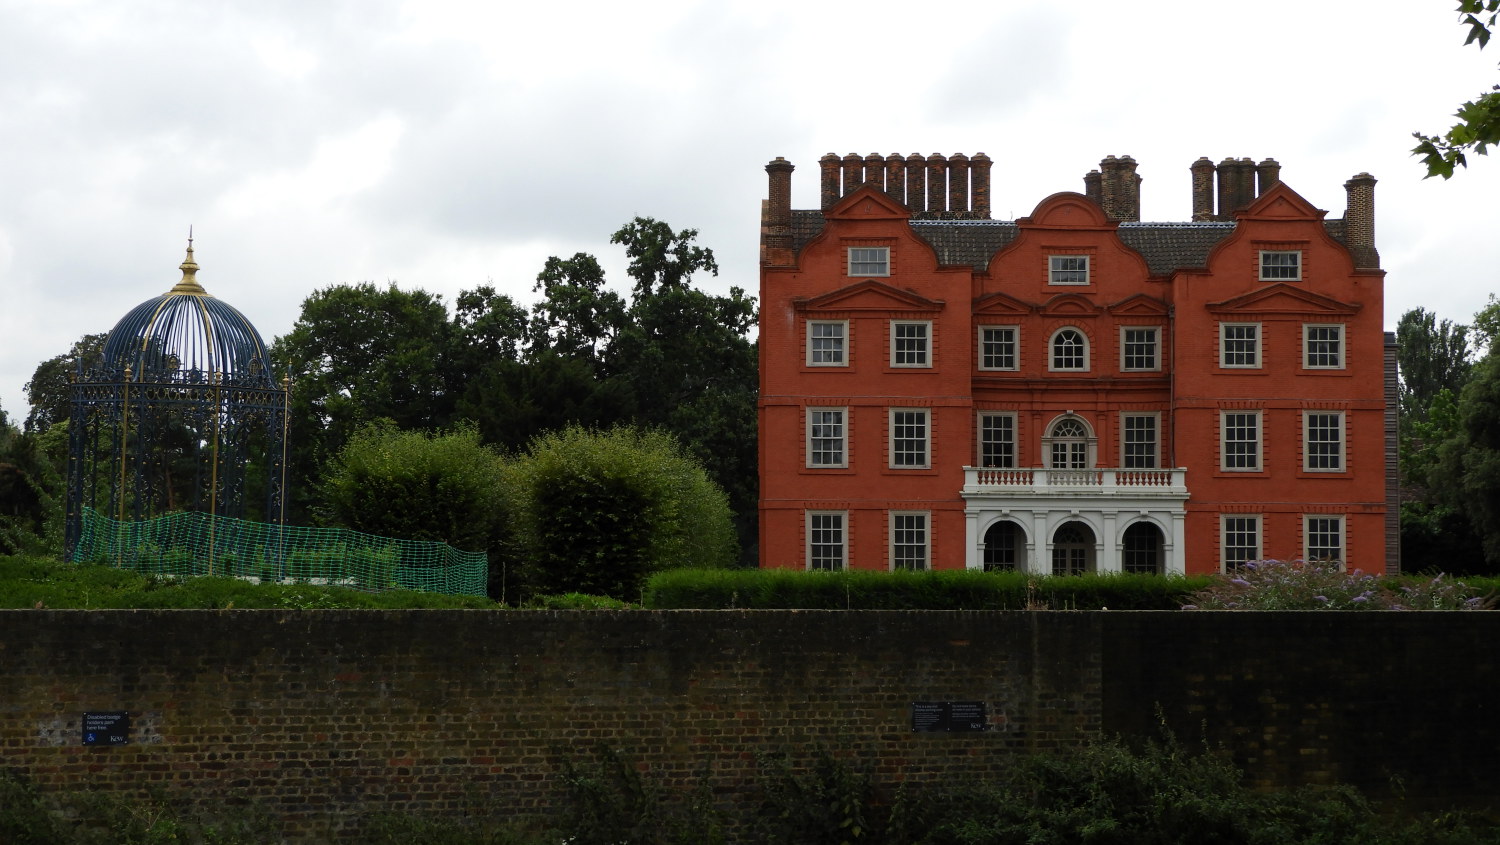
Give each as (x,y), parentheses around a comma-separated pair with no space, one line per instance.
(1478,126)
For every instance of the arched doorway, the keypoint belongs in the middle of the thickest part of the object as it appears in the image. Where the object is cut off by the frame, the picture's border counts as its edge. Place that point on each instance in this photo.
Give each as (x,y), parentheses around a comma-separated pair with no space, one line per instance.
(1068,444)
(1004,547)
(1073,549)
(1141,550)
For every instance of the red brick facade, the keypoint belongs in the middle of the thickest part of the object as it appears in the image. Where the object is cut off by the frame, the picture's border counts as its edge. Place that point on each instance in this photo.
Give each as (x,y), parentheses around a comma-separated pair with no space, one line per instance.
(1074,390)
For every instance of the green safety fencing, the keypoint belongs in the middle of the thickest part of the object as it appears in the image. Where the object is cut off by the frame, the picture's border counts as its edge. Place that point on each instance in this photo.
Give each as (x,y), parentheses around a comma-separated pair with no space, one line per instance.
(190,543)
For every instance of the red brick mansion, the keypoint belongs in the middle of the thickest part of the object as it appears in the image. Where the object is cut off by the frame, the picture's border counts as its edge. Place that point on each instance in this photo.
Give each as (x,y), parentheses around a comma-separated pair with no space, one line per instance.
(1075,390)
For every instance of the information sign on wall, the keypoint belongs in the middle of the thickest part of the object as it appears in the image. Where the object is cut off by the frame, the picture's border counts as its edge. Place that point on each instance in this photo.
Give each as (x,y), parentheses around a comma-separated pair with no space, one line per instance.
(106,728)
(948,716)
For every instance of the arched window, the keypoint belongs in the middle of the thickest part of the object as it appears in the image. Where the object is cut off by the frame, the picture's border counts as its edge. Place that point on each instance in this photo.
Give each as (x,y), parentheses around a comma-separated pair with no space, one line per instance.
(1069,444)
(1070,351)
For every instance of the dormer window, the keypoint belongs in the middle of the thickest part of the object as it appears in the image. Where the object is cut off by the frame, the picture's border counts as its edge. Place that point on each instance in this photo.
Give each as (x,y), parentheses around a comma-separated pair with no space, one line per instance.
(1280,265)
(1067,269)
(870,261)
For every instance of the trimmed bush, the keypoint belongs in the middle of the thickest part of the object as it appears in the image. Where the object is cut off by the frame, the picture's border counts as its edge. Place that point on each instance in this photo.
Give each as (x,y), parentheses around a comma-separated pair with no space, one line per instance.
(599,511)
(904,590)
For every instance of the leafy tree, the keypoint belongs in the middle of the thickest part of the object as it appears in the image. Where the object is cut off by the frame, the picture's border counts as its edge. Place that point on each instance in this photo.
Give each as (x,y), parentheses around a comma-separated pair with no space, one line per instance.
(1487,325)
(50,390)
(359,353)
(1432,356)
(419,485)
(661,259)
(576,316)
(1478,125)
(687,360)
(1469,461)
(599,511)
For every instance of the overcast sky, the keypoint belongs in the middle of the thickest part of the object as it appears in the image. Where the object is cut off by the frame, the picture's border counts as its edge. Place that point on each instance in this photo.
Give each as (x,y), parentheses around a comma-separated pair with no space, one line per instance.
(449,144)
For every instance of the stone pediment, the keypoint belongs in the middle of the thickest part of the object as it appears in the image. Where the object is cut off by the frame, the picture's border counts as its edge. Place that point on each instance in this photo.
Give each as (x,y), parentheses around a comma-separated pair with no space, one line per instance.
(867,202)
(1139,305)
(1000,305)
(1070,304)
(868,295)
(1283,298)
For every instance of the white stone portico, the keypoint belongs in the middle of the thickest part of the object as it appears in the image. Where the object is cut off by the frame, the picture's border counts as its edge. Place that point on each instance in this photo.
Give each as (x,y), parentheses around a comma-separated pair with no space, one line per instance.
(1093,520)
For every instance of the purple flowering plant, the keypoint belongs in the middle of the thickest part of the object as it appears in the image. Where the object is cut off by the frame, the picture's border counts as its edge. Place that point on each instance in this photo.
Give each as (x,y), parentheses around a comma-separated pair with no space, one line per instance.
(1325,585)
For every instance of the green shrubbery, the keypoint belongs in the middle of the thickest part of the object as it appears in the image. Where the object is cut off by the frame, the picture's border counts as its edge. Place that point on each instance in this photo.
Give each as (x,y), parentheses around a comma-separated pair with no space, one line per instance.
(597,512)
(1324,585)
(904,590)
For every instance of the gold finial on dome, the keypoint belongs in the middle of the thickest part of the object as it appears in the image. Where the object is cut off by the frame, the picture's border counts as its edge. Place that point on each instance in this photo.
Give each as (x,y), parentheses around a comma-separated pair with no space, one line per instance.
(189,283)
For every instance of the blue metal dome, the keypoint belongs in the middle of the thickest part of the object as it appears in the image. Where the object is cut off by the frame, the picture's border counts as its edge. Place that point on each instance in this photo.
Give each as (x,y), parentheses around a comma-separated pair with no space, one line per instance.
(186,335)
(180,412)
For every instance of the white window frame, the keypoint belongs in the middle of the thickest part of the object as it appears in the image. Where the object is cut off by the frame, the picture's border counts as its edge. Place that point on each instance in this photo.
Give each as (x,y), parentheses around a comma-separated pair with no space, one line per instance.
(1331,453)
(811,441)
(1337,353)
(1308,521)
(1224,441)
(1273,267)
(868,261)
(1255,527)
(1052,356)
(1014,343)
(813,352)
(1153,459)
(839,522)
(1055,444)
(1068,269)
(1255,351)
(982,427)
(1154,343)
(910,540)
(924,352)
(893,427)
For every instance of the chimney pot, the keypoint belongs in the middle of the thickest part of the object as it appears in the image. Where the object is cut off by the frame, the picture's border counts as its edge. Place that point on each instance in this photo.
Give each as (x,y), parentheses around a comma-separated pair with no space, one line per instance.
(895,177)
(916,182)
(1203,189)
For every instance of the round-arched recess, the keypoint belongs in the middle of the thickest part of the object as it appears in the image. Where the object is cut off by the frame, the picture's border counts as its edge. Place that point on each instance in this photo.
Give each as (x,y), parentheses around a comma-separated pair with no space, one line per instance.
(1073,549)
(1004,547)
(1069,443)
(1142,549)
(180,412)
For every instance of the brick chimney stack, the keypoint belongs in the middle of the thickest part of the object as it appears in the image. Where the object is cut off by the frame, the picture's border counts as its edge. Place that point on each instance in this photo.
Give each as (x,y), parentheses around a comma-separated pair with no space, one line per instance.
(1093,186)
(1267,176)
(958,182)
(854,173)
(1128,191)
(979,185)
(875,170)
(937,182)
(1109,184)
(1236,186)
(1359,220)
(776,243)
(895,177)
(1203,189)
(830,165)
(916,182)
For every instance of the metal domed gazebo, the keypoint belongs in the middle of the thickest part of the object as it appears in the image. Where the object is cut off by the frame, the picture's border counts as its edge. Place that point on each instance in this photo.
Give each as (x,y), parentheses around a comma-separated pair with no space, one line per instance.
(181,412)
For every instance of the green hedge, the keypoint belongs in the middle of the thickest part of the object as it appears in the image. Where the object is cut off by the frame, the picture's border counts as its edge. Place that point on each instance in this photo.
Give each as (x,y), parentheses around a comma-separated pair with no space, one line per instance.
(766,589)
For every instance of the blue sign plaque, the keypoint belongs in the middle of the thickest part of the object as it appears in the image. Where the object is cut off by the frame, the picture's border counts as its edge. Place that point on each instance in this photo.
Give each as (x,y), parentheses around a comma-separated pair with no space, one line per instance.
(106,728)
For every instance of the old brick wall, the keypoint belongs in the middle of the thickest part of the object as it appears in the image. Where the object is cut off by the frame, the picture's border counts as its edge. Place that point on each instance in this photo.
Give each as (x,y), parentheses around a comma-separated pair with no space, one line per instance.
(326,716)
(1399,704)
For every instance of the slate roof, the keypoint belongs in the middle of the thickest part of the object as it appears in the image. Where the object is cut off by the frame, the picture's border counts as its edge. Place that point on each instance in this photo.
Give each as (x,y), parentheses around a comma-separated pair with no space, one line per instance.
(1165,246)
